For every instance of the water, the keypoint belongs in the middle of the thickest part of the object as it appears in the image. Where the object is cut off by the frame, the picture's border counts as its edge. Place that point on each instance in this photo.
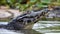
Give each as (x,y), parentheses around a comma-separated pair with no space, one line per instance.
(5,23)
(52,33)
(24,31)
(5,31)
(38,27)
(47,26)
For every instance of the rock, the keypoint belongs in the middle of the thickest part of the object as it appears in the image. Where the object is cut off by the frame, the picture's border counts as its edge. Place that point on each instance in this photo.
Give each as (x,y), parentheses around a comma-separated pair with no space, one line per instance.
(4,14)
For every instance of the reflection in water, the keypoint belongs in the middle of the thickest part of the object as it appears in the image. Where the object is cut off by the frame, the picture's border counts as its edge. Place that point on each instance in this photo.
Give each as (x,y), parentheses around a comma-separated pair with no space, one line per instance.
(4,23)
(47,26)
(5,31)
(39,27)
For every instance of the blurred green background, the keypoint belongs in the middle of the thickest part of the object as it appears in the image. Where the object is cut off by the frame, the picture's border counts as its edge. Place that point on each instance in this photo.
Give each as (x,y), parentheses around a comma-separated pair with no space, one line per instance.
(23,5)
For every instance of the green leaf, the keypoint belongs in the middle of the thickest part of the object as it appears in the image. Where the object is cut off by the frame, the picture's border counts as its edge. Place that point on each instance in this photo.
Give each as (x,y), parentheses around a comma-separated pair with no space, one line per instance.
(33,0)
(41,5)
(46,1)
